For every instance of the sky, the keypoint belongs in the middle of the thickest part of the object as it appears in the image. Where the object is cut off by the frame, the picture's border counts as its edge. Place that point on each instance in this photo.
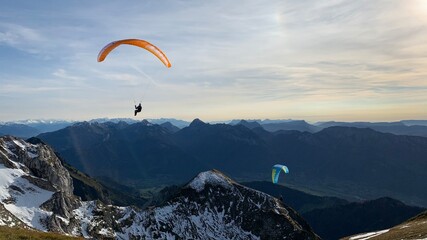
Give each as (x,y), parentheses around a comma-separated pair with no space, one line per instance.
(316,60)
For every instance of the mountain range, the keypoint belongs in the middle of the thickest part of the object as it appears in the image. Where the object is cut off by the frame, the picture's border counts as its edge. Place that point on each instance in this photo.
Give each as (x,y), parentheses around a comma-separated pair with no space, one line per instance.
(351,163)
(30,128)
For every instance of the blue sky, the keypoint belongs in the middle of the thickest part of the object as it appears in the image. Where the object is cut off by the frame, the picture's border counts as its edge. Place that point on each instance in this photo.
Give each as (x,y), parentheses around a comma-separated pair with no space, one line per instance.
(320,60)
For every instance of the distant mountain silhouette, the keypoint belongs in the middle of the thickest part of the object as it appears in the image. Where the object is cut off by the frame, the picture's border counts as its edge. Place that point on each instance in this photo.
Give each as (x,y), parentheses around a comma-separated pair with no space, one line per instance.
(169,126)
(176,122)
(18,130)
(278,125)
(398,128)
(48,126)
(40,126)
(299,125)
(249,124)
(351,163)
(414,122)
(359,124)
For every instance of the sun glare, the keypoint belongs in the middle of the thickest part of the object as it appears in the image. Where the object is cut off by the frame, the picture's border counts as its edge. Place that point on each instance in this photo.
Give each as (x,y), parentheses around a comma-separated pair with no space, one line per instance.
(420,8)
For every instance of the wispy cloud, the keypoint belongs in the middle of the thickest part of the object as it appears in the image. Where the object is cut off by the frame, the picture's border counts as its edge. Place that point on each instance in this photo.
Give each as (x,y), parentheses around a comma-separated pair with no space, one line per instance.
(62,73)
(21,37)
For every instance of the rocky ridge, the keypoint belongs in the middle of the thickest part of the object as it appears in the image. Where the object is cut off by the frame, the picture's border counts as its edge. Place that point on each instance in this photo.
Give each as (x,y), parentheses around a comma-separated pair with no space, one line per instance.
(37,191)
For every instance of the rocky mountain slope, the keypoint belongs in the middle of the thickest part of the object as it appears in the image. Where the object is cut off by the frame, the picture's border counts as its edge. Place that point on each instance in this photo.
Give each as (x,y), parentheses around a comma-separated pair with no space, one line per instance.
(414,228)
(213,206)
(37,191)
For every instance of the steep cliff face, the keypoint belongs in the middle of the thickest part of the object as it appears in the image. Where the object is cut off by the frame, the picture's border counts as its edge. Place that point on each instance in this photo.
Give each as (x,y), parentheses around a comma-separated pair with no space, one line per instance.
(34,186)
(36,191)
(38,160)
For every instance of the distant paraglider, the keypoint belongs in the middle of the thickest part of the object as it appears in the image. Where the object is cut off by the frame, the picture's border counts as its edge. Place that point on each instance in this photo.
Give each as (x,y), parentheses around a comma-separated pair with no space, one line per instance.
(135,42)
(276,172)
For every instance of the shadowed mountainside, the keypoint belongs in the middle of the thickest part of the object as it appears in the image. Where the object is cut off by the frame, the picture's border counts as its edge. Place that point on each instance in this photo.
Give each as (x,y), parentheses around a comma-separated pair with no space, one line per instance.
(351,163)
(333,218)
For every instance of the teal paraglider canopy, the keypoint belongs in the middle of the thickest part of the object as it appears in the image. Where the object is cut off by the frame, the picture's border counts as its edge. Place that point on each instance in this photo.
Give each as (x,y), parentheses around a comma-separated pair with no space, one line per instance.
(276,172)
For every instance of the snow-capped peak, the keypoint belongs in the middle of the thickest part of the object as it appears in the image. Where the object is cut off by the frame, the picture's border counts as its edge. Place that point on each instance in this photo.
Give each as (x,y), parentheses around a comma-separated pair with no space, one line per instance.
(212,177)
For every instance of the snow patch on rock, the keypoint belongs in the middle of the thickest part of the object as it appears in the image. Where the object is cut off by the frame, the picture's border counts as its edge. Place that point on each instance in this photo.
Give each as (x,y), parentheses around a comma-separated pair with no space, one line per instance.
(85,216)
(209,177)
(29,148)
(21,198)
(366,236)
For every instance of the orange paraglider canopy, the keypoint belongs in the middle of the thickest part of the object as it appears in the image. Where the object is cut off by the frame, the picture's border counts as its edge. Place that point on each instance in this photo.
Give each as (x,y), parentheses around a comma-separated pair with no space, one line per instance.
(135,42)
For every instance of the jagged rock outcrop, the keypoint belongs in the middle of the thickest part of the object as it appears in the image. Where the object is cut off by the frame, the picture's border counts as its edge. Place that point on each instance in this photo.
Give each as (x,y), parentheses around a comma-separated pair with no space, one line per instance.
(37,159)
(255,212)
(59,203)
(35,178)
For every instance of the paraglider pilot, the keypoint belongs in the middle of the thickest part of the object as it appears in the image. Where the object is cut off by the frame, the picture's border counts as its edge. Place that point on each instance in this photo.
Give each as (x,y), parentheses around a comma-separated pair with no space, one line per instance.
(138,108)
